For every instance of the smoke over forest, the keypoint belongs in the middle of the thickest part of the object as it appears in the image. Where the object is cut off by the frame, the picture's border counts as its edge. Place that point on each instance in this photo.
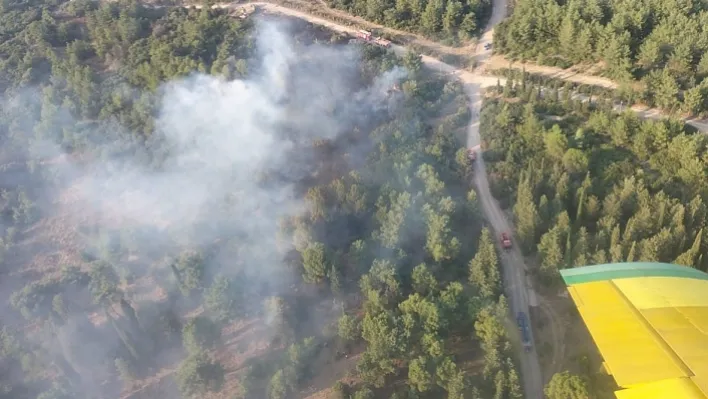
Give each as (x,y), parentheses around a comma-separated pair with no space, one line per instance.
(218,176)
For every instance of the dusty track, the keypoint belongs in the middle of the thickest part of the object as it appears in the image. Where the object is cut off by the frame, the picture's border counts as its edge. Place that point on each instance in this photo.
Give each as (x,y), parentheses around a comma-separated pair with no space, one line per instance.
(557,338)
(483,58)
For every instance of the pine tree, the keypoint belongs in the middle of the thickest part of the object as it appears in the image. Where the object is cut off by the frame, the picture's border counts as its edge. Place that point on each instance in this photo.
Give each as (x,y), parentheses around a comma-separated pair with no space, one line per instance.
(514,387)
(527,217)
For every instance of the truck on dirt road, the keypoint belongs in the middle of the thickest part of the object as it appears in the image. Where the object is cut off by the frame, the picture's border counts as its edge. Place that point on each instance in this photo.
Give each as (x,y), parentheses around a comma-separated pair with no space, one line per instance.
(472,155)
(523,323)
(505,241)
(364,35)
(368,37)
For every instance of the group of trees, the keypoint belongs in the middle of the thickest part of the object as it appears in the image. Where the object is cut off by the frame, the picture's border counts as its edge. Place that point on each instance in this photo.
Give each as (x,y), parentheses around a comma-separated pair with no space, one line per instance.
(662,44)
(590,186)
(411,221)
(71,50)
(398,228)
(95,68)
(451,21)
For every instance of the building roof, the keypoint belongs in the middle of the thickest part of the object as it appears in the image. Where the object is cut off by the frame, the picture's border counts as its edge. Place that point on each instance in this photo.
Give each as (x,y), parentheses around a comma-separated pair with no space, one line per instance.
(650,324)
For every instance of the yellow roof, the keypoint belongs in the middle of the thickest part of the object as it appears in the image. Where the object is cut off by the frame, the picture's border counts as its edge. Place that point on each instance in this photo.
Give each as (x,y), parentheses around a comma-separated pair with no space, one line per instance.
(650,323)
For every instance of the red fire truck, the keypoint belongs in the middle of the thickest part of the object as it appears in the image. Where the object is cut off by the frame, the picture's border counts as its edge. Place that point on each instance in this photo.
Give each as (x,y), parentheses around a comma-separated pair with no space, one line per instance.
(368,37)
(505,241)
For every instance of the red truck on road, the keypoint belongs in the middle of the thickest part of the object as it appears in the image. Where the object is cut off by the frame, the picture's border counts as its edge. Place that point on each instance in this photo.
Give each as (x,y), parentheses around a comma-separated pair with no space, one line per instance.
(368,37)
(364,34)
(505,241)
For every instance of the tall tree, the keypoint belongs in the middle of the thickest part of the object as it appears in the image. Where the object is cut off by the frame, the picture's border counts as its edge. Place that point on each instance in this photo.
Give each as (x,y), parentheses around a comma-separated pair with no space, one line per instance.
(484,267)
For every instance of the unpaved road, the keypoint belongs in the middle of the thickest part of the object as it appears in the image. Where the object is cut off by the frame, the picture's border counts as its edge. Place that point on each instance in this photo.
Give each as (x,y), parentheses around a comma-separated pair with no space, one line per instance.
(483,58)
(516,285)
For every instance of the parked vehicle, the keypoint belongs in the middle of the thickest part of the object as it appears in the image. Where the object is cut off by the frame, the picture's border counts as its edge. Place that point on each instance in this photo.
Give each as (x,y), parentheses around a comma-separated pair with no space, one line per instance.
(368,37)
(522,321)
(364,34)
(505,241)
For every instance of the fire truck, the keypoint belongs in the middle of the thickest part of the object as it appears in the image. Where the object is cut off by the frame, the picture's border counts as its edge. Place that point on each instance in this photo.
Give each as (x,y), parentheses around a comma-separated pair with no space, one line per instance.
(505,241)
(382,42)
(368,37)
(364,35)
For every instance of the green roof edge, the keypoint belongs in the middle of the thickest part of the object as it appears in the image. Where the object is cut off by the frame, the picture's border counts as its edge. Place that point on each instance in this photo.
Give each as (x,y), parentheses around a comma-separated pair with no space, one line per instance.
(612,271)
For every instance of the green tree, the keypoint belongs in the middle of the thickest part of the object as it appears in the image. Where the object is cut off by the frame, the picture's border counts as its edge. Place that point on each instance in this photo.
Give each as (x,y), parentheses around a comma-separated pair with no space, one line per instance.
(526,213)
(484,267)
(566,386)
(315,263)
(575,161)
(419,376)
(424,282)
(348,328)
(694,100)
(219,299)
(277,387)
(514,391)
(200,333)
(431,19)
(551,252)
(440,242)
(413,62)
(556,143)
(189,271)
(453,15)
(104,283)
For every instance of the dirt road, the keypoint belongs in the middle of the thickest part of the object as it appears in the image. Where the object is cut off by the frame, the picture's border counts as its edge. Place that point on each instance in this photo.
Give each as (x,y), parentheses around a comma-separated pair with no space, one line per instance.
(483,58)
(517,288)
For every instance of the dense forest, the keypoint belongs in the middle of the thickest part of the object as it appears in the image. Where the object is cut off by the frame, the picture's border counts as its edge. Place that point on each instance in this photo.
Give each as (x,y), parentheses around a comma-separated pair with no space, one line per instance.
(451,22)
(589,186)
(662,44)
(304,208)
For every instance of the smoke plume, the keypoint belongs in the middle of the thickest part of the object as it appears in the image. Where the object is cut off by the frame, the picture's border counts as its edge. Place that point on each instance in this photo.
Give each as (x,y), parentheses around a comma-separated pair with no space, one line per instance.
(230,156)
